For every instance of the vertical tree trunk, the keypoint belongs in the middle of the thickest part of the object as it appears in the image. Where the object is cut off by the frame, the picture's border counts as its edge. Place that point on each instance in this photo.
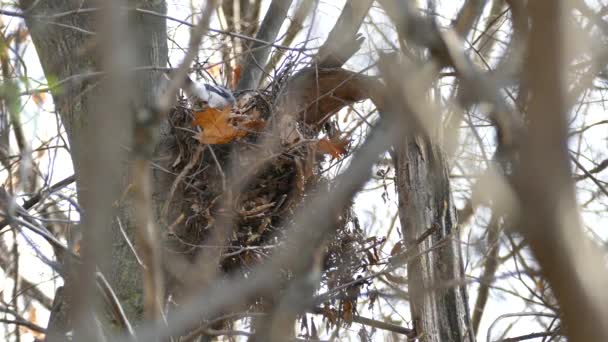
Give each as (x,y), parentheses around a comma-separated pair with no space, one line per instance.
(66,50)
(438,298)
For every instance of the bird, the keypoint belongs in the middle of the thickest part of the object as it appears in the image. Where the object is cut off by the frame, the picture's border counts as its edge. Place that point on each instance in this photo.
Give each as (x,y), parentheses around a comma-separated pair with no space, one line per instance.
(204,95)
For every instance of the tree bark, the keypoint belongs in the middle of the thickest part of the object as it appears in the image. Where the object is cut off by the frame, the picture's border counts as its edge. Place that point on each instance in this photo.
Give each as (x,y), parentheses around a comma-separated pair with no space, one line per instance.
(256,60)
(438,300)
(549,214)
(67,50)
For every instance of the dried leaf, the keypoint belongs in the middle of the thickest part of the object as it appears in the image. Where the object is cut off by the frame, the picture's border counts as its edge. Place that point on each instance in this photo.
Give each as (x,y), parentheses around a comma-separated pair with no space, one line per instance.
(397,248)
(39,98)
(215,71)
(236,75)
(33,318)
(330,314)
(77,247)
(255,125)
(335,147)
(347,311)
(22,34)
(221,127)
(216,126)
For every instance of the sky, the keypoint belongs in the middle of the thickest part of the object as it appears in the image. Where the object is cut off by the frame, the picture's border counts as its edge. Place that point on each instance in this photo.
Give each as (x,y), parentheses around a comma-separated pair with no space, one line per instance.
(374,207)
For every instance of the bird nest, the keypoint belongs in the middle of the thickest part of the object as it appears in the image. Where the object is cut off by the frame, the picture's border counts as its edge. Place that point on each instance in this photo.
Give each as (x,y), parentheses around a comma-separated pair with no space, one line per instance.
(248,187)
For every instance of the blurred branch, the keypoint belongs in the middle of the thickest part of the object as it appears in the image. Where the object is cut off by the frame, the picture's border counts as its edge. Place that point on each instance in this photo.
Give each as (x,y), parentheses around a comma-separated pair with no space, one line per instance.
(468,15)
(490,266)
(148,236)
(374,323)
(177,77)
(99,161)
(550,220)
(487,38)
(24,323)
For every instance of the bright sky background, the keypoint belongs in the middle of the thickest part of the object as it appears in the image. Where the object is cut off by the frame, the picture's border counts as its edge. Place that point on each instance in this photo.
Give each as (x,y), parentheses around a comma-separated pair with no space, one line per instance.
(374,210)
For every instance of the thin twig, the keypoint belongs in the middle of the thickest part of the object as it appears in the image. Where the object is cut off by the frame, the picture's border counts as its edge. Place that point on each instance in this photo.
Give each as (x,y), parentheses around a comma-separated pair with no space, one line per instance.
(112,301)
(129,243)
(180,73)
(41,194)
(219,167)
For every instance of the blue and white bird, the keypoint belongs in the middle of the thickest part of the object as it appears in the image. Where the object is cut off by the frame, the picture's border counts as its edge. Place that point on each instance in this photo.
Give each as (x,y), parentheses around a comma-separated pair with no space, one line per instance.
(203,95)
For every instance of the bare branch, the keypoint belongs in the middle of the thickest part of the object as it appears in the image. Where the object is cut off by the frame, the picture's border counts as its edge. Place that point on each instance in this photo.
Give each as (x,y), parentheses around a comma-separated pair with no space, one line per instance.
(550,219)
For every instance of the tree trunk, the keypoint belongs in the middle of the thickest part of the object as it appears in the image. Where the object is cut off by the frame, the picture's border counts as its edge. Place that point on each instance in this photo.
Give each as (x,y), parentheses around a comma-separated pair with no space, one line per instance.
(438,299)
(256,60)
(67,50)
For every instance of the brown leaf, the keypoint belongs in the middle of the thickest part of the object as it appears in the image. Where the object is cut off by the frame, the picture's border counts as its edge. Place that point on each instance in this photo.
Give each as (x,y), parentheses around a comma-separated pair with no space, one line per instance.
(347,311)
(236,75)
(33,318)
(220,126)
(216,126)
(215,71)
(335,147)
(39,98)
(77,247)
(22,34)
(397,248)
(329,314)
(253,124)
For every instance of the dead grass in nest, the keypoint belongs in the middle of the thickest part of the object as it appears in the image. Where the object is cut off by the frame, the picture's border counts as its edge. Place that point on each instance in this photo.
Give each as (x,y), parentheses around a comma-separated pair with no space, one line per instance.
(262,206)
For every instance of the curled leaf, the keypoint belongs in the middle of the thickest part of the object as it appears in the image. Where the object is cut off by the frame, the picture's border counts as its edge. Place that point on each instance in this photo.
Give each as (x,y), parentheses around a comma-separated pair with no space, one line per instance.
(216,126)
(335,147)
(38,98)
(236,75)
(221,127)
